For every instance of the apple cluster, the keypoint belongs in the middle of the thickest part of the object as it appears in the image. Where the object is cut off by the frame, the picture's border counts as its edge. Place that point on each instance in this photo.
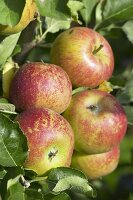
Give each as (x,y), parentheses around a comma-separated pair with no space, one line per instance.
(40,92)
(97,118)
(83,130)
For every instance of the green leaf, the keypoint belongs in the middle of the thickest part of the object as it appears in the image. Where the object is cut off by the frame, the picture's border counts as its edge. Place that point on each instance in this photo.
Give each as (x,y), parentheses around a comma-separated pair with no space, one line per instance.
(118,81)
(54,9)
(54,25)
(62,172)
(13,143)
(74,183)
(7,46)
(74,7)
(125,96)
(8,112)
(11,11)
(128,29)
(70,179)
(16,50)
(15,190)
(98,13)
(129,113)
(86,12)
(62,196)
(126,149)
(10,182)
(112,32)
(7,107)
(116,11)
(33,194)
(58,15)
(3,100)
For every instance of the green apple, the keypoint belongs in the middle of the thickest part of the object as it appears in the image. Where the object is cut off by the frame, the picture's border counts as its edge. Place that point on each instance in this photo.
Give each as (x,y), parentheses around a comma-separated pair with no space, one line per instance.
(40,85)
(98,165)
(85,55)
(98,121)
(50,139)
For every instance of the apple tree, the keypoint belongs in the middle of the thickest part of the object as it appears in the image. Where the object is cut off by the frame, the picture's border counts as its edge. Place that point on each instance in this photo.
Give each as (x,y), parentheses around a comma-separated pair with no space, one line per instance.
(28,29)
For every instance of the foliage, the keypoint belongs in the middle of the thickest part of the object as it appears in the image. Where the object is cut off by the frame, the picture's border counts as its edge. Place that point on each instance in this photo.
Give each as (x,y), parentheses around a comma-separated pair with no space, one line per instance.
(114,20)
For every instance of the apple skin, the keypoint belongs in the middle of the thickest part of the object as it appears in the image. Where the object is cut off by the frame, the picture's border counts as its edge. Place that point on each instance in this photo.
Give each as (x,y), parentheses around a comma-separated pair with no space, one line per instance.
(38,85)
(98,165)
(73,51)
(98,121)
(50,139)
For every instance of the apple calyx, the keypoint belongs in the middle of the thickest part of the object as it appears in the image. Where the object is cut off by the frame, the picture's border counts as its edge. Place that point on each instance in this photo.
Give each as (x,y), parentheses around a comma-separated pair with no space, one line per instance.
(52,154)
(93,108)
(96,50)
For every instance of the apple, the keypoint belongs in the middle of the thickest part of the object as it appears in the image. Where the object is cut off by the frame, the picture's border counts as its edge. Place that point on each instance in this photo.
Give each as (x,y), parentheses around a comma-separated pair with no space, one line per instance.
(50,139)
(85,55)
(98,165)
(39,85)
(27,16)
(98,121)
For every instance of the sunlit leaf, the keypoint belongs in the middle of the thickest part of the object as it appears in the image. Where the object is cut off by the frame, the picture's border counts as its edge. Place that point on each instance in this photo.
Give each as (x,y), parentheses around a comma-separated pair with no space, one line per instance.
(54,9)
(7,46)
(128,29)
(70,179)
(11,11)
(86,12)
(74,7)
(116,11)
(54,25)
(13,143)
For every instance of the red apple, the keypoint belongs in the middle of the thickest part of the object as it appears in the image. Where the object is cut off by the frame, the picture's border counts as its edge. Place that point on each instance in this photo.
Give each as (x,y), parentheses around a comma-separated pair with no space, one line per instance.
(98,165)
(85,55)
(50,139)
(98,121)
(39,85)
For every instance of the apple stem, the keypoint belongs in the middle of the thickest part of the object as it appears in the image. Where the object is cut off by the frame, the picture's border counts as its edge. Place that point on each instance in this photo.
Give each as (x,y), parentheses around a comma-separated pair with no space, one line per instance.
(98,49)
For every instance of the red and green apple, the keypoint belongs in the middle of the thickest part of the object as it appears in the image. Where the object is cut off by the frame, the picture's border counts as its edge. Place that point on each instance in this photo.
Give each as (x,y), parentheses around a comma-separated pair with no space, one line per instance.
(98,165)
(40,85)
(98,121)
(50,139)
(85,55)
